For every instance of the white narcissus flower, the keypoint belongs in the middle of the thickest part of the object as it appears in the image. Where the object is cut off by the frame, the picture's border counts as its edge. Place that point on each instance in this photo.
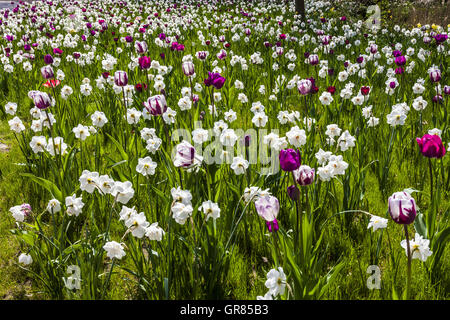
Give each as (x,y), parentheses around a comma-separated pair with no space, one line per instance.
(179,195)
(377,223)
(123,191)
(181,212)
(16,125)
(239,165)
(99,119)
(420,247)
(54,206)
(114,250)
(260,119)
(11,108)
(267,296)
(210,209)
(228,138)
(88,181)
(133,116)
(138,224)
(346,141)
(200,135)
(296,137)
(146,166)
(105,184)
(333,130)
(154,232)
(326,98)
(81,132)
(38,144)
(169,116)
(74,205)
(276,282)
(25,259)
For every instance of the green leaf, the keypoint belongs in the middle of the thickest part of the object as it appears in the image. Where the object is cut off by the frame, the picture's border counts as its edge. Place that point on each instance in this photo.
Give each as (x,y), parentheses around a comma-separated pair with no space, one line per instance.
(419,225)
(50,186)
(119,147)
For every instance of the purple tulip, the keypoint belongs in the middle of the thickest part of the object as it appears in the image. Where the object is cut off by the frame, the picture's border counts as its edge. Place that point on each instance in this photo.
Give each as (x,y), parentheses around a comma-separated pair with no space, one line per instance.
(304,86)
(120,78)
(293,192)
(145,62)
(402,208)
(41,99)
(267,207)
(304,175)
(48,59)
(400,60)
(57,51)
(156,105)
(141,47)
(272,225)
(396,53)
(185,155)
(129,39)
(447,90)
(215,80)
(290,159)
(431,146)
(313,59)
(188,68)
(47,72)
(440,38)
(435,75)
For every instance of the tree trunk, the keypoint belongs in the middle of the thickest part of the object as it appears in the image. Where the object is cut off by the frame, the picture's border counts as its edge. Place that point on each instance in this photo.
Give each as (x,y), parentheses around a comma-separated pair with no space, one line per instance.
(300,8)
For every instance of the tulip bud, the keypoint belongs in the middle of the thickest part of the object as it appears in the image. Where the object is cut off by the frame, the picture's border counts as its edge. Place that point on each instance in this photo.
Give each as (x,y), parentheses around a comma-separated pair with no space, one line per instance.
(304,86)
(47,72)
(435,75)
(144,62)
(48,59)
(402,208)
(293,192)
(290,159)
(304,175)
(188,68)
(156,105)
(120,78)
(141,47)
(431,146)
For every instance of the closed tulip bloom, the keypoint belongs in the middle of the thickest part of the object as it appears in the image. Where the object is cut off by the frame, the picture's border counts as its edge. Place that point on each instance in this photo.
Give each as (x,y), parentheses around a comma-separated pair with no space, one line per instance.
(447,90)
(141,47)
(121,78)
(293,192)
(400,60)
(435,75)
(313,59)
(431,146)
(47,72)
(188,68)
(290,159)
(267,207)
(186,156)
(145,62)
(156,105)
(215,80)
(304,86)
(41,100)
(48,59)
(304,175)
(402,207)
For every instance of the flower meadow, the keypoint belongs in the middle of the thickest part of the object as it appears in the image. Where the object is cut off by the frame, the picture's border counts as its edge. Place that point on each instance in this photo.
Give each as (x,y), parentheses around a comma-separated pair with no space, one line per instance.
(224,150)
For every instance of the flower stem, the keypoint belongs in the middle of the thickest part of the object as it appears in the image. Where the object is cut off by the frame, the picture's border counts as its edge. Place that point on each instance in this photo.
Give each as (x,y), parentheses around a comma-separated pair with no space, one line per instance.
(431,179)
(408,276)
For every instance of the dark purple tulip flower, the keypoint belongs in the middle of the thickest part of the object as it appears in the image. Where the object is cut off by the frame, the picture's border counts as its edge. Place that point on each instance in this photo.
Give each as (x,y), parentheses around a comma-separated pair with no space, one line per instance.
(145,62)
(290,159)
(400,60)
(48,59)
(215,80)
